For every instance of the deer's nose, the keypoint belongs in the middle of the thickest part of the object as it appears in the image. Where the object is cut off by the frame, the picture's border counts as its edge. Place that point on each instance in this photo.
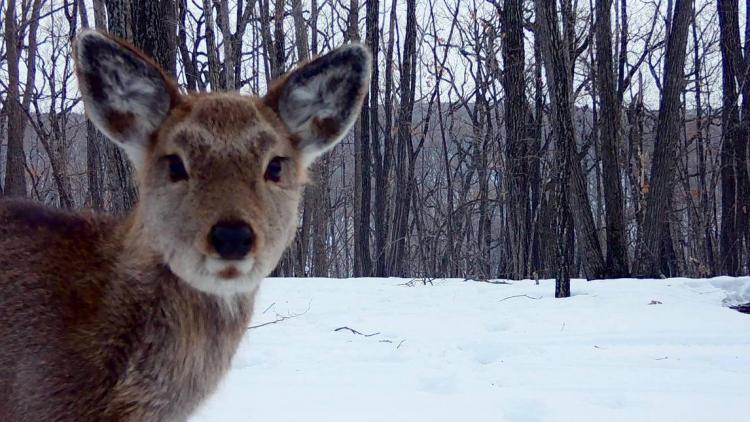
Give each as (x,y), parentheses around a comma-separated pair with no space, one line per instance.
(232,239)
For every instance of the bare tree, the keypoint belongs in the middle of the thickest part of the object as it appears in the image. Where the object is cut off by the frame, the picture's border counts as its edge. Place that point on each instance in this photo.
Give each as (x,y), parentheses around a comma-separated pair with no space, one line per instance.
(609,129)
(15,176)
(658,199)
(402,202)
(557,64)
(516,133)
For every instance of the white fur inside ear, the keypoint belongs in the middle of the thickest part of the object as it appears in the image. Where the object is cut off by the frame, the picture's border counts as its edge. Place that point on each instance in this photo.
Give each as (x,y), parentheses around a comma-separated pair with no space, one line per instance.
(321,100)
(125,96)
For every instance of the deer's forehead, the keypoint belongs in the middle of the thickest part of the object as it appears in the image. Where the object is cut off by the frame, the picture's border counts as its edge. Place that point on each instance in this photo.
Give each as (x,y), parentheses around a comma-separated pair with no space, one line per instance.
(225,125)
(225,112)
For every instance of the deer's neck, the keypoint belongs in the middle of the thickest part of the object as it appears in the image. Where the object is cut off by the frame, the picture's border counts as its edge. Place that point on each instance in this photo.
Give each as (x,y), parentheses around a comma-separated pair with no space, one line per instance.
(168,331)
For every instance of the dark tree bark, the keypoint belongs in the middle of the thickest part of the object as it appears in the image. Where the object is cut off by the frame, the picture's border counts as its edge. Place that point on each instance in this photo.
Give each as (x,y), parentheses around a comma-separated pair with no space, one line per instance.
(188,64)
(94,138)
(15,168)
(384,159)
(275,58)
(222,20)
(537,220)
(402,204)
(212,54)
(730,119)
(379,215)
(515,131)
(556,62)
(734,172)
(741,149)
(362,195)
(120,18)
(278,36)
(706,240)
(609,124)
(656,212)
(300,31)
(369,132)
(155,31)
(559,80)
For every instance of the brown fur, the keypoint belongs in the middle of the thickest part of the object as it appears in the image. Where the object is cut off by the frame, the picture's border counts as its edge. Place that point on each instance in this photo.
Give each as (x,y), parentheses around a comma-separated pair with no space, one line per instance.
(137,319)
(122,327)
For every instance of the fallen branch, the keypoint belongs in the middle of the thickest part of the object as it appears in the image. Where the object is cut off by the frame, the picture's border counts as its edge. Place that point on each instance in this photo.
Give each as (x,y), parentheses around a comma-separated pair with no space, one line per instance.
(279,317)
(511,297)
(490,281)
(353,331)
(276,321)
(269,307)
(412,282)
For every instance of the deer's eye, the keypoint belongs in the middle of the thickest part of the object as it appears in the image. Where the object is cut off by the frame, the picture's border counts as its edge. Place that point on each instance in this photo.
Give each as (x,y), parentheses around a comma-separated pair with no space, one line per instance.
(275,169)
(177,170)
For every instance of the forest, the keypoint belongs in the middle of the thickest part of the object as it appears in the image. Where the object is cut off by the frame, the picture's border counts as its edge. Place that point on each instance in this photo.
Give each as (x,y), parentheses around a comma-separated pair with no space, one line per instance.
(500,139)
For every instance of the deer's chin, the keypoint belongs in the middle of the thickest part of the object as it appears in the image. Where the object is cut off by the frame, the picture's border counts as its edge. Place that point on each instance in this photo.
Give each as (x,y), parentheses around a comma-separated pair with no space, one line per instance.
(216,276)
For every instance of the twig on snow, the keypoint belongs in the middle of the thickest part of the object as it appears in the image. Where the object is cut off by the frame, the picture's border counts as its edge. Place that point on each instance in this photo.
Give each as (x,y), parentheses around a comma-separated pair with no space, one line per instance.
(413,281)
(269,307)
(353,331)
(279,317)
(490,281)
(511,297)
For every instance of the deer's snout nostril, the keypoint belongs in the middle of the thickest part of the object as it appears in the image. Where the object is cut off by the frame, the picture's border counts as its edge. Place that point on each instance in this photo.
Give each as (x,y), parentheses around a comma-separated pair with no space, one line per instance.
(232,239)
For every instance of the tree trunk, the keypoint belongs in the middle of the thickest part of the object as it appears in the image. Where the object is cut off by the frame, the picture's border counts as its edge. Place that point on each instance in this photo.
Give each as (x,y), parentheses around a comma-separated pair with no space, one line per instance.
(557,65)
(15,168)
(515,132)
(656,213)
(705,239)
(214,71)
(188,64)
(274,68)
(155,31)
(383,160)
(368,131)
(372,38)
(731,233)
(94,138)
(402,203)
(741,150)
(609,123)
(278,36)
(222,18)
(536,220)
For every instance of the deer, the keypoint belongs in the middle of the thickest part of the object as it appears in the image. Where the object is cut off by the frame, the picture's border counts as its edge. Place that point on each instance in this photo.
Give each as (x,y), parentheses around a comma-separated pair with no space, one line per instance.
(137,318)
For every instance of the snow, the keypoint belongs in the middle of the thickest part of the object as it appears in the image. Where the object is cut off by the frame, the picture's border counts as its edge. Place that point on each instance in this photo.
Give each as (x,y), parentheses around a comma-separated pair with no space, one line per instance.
(463,350)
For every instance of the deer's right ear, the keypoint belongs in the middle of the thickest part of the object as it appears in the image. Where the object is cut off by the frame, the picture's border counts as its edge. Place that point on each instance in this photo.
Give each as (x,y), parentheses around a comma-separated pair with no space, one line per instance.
(126,95)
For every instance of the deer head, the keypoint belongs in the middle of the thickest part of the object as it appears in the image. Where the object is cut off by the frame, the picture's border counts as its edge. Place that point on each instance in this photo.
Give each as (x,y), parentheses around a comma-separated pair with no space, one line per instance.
(220,174)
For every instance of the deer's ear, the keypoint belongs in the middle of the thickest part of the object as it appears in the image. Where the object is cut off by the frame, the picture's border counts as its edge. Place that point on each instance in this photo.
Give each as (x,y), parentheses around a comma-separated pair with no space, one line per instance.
(126,95)
(320,100)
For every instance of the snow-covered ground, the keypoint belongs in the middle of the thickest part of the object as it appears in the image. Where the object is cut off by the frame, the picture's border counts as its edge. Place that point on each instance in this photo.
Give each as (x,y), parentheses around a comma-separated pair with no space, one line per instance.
(617,350)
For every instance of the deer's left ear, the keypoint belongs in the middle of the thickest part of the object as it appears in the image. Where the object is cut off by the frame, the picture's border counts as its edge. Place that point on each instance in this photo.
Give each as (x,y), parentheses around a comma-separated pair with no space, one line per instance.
(320,101)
